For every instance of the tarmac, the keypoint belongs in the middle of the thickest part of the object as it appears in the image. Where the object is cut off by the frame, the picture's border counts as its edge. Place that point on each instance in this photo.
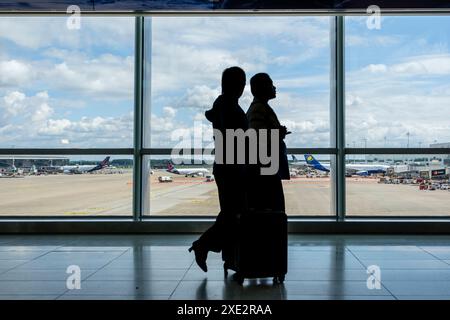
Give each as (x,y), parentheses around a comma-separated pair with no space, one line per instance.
(111,195)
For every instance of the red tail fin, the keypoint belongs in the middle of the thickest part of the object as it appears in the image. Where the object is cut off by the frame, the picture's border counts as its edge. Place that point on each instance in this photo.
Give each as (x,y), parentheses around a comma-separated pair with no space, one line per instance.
(105,162)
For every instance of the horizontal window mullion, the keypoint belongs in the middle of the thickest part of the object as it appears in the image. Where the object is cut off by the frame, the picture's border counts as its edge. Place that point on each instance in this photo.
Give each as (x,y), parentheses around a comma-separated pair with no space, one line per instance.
(168,151)
(230,12)
(92,151)
(397,150)
(193,151)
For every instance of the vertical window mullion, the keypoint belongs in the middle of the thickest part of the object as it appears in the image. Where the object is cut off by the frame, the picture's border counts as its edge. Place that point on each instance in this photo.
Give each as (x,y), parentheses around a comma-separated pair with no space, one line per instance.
(138,108)
(337,117)
(340,117)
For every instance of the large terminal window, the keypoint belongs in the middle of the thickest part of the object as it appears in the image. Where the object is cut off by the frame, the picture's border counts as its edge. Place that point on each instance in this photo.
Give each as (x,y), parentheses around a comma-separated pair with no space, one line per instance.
(66,88)
(397,185)
(188,55)
(398,96)
(89,116)
(398,82)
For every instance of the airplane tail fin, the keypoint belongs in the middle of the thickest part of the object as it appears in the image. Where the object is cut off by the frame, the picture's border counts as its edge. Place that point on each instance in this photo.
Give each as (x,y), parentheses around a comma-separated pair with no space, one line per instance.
(294,158)
(311,160)
(105,162)
(101,165)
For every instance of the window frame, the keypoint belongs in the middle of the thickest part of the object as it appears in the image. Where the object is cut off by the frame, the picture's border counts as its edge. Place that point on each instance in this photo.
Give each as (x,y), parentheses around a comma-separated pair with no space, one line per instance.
(337,149)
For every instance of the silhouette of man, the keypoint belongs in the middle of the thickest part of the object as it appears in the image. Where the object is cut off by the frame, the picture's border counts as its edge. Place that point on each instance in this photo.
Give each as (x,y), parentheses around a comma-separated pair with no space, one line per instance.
(266,192)
(225,114)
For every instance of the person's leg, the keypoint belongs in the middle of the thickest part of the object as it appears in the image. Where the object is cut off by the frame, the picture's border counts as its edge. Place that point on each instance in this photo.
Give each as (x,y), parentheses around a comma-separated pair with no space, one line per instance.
(233,201)
(232,198)
(211,239)
(220,183)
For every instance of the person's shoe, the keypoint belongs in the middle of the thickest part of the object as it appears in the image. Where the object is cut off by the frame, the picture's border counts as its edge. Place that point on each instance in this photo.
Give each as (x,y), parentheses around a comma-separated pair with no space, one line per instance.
(200,257)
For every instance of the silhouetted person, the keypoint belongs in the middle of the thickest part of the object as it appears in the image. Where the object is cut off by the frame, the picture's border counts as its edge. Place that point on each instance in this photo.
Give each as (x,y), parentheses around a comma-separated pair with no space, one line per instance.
(266,191)
(225,114)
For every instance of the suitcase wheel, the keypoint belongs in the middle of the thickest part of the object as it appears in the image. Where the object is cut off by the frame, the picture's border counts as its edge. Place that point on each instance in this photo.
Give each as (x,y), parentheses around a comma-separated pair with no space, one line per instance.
(238,278)
(278,279)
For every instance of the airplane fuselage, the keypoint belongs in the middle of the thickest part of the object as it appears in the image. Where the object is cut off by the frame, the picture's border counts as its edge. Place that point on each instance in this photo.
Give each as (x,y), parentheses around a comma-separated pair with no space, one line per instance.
(189,171)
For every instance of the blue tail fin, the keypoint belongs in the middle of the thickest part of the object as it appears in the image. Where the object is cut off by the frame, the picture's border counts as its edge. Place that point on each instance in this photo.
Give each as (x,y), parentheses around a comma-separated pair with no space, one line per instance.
(311,161)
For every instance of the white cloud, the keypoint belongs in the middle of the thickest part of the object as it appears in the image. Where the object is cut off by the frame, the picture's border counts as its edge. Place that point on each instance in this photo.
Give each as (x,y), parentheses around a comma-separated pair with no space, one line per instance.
(14,73)
(42,32)
(30,121)
(189,55)
(352,101)
(200,97)
(318,80)
(375,68)
(42,112)
(13,104)
(409,96)
(190,52)
(161,124)
(89,132)
(169,112)
(354,40)
(102,77)
(424,65)
(411,67)
(17,105)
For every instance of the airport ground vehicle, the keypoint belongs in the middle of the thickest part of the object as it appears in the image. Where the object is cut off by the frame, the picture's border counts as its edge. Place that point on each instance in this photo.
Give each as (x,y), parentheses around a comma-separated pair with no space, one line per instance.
(209,178)
(165,179)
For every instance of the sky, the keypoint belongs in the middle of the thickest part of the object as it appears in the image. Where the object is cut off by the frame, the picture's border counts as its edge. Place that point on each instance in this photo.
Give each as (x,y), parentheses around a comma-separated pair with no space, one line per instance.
(74,88)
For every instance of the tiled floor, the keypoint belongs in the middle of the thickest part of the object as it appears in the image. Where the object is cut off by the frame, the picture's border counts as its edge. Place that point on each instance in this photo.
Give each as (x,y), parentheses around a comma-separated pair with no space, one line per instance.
(160,267)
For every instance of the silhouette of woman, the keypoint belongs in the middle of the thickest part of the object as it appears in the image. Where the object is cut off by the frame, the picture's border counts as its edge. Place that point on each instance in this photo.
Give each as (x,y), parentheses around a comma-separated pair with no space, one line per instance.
(225,114)
(266,192)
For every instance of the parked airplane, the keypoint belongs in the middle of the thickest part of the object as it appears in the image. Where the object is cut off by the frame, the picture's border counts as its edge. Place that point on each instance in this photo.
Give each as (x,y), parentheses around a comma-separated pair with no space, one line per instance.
(187,171)
(297,162)
(359,169)
(86,168)
(8,170)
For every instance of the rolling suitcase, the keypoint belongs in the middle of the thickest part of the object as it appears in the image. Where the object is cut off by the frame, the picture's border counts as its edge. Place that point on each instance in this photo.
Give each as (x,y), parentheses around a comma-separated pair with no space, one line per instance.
(258,248)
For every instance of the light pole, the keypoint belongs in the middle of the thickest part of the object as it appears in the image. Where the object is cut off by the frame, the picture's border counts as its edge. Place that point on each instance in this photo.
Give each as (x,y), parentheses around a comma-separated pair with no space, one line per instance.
(407,145)
(354,156)
(365,147)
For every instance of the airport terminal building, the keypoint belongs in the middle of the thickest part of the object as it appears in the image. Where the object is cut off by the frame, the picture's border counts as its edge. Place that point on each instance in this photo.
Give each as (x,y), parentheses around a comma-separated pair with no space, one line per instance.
(97,99)
(26,161)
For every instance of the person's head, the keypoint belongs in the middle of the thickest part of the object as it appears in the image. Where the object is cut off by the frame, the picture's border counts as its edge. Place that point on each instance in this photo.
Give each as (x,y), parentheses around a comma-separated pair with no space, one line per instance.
(262,87)
(233,82)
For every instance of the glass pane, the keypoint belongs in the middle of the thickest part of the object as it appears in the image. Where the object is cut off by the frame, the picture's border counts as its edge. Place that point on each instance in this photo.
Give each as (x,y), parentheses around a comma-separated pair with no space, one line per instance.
(398,82)
(68,186)
(189,54)
(308,192)
(189,189)
(64,87)
(398,185)
(181,189)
